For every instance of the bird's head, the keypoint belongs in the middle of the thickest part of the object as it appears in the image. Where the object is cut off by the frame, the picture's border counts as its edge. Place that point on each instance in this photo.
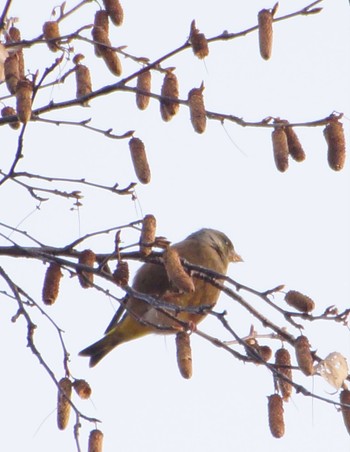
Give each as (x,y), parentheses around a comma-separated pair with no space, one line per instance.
(220,242)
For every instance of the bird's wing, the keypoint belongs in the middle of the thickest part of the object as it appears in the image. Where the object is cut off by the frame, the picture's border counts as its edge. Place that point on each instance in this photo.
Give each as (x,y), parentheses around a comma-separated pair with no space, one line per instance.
(117,316)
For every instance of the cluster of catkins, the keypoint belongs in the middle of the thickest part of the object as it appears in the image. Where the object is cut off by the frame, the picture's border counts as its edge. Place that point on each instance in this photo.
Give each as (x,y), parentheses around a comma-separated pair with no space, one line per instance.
(285,143)
(169,104)
(16,82)
(284,140)
(82,388)
(283,377)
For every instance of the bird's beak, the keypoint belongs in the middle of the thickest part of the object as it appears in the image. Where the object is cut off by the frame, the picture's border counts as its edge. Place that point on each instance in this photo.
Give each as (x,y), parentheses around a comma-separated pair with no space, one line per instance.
(234,257)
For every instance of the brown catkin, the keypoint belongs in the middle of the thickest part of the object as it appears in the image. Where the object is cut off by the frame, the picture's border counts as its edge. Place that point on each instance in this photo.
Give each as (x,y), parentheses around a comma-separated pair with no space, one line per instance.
(78,58)
(280,149)
(334,134)
(345,398)
(24,93)
(95,441)
(275,411)
(197,109)
(88,258)
(148,234)
(184,354)
(265,352)
(115,11)
(299,301)
(198,42)
(63,405)
(283,366)
(51,284)
(303,355)
(295,148)
(9,111)
(11,69)
(82,388)
(144,84)
(101,20)
(175,271)
(109,55)
(52,34)
(265,19)
(13,36)
(139,160)
(121,274)
(170,88)
(83,81)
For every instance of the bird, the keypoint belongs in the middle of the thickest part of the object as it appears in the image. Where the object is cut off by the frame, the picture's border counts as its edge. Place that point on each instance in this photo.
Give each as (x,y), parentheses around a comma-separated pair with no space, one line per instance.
(207,248)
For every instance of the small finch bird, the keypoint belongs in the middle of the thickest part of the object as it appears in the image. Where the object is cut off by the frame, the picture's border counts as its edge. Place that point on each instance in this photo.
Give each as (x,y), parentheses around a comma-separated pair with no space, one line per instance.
(208,248)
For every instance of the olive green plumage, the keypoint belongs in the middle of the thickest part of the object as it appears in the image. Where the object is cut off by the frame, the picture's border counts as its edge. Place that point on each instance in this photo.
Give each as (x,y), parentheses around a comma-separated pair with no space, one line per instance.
(208,248)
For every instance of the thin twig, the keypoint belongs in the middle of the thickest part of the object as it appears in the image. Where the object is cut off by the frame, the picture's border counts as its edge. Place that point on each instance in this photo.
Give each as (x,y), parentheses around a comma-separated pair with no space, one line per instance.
(30,340)
(4,14)
(84,123)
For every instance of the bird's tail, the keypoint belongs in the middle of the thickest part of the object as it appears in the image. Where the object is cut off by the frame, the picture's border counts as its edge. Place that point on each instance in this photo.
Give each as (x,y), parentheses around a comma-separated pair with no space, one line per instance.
(126,330)
(100,349)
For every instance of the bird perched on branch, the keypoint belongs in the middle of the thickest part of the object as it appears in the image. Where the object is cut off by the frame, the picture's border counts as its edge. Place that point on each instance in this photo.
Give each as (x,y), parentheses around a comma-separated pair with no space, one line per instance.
(207,248)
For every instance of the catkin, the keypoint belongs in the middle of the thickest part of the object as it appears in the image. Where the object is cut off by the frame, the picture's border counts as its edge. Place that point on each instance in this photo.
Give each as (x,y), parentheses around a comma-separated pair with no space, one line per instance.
(9,111)
(198,42)
(103,46)
(51,284)
(170,88)
(101,20)
(295,148)
(283,366)
(184,354)
(88,258)
(63,405)
(265,19)
(334,134)
(11,69)
(83,82)
(263,351)
(175,271)
(280,148)
(14,36)
(303,355)
(115,11)
(299,301)
(121,273)
(52,35)
(276,418)
(144,84)
(95,441)
(24,93)
(148,234)
(345,398)
(139,160)
(197,109)
(82,388)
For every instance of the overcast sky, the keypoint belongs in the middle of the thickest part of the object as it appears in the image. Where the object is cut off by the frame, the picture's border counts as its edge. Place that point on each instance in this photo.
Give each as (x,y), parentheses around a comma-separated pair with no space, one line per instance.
(290,228)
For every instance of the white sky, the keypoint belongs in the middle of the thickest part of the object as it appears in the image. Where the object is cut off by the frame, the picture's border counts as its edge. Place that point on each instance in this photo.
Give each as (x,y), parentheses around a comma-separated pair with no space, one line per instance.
(290,228)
